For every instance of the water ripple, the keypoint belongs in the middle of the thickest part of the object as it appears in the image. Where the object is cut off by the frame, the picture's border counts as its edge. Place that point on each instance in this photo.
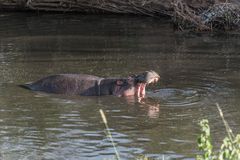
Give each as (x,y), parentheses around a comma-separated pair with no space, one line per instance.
(197,90)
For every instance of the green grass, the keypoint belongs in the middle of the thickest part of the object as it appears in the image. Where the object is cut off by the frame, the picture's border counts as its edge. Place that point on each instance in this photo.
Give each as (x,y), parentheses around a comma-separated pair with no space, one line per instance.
(230,148)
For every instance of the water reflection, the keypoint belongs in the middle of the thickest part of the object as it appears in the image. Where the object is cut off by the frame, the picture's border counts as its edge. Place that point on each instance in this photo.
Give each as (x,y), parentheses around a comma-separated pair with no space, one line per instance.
(196,71)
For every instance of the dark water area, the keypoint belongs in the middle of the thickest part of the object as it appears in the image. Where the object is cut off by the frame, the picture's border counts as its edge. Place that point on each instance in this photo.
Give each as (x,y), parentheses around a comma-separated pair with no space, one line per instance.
(197,71)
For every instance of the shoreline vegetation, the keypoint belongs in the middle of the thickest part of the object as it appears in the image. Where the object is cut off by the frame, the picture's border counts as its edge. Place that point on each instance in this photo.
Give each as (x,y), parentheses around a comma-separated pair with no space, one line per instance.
(229,150)
(186,15)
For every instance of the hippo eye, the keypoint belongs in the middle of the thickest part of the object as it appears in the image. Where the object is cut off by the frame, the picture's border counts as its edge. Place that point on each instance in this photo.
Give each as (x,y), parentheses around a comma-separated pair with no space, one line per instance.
(125,83)
(122,83)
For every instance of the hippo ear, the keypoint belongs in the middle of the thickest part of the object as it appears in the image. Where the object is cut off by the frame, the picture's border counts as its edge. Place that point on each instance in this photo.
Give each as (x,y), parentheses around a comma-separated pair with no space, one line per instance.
(133,75)
(119,82)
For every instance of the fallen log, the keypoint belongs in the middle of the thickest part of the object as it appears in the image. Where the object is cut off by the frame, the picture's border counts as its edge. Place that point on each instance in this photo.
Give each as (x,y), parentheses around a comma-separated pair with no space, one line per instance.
(218,16)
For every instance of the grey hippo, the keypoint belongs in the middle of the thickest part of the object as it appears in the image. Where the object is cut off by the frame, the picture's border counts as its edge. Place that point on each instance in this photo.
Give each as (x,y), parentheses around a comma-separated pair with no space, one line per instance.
(89,85)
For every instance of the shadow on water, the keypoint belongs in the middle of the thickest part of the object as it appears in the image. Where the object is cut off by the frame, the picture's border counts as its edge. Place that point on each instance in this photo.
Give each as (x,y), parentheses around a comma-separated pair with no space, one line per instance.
(196,71)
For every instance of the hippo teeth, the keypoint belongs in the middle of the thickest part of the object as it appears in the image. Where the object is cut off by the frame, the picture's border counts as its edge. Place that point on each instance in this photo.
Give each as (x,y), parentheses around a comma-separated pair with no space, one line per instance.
(154,80)
(141,90)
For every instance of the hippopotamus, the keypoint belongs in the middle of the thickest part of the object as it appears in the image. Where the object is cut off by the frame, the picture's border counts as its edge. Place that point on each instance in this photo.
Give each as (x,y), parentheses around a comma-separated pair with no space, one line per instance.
(89,85)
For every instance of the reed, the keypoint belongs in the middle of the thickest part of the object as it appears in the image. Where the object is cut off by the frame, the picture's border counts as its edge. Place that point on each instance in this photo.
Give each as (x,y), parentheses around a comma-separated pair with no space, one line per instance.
(108,133)
(228,129)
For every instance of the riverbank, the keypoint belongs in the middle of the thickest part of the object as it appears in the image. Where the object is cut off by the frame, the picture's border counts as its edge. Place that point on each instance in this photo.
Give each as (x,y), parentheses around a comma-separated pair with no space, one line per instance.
(185,14)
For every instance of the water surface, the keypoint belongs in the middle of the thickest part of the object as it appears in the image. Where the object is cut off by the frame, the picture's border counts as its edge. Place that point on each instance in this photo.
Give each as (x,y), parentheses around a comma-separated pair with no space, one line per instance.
(197,70)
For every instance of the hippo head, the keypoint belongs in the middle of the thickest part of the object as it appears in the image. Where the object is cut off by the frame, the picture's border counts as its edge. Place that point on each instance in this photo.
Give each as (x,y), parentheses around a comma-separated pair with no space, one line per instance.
(135,84)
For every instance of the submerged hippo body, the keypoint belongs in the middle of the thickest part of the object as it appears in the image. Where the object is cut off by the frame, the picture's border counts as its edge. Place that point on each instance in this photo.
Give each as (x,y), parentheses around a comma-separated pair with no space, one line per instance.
(88,85)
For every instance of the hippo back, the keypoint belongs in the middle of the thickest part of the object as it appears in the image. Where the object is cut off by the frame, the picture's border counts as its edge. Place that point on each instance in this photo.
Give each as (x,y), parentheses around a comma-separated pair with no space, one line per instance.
(77,84)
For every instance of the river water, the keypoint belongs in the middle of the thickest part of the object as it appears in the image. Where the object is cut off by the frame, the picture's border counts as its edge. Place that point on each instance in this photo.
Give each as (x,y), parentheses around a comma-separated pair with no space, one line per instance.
(197,71)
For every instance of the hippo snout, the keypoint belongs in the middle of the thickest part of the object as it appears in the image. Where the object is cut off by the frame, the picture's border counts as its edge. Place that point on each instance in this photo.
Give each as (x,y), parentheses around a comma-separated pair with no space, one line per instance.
(147,77)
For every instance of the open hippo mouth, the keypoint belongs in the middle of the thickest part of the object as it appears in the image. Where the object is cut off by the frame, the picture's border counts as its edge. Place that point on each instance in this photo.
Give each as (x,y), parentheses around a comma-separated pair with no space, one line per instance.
(144,79)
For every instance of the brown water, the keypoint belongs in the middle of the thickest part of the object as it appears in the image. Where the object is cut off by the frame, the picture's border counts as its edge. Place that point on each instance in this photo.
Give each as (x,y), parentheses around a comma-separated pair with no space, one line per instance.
(197,70)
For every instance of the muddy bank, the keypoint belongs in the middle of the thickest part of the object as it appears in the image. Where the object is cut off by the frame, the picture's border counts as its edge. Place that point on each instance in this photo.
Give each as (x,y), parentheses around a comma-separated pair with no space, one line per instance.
(186,14)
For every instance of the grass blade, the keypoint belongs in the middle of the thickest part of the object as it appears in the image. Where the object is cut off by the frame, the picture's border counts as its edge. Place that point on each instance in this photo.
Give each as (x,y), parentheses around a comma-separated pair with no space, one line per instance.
(109,133)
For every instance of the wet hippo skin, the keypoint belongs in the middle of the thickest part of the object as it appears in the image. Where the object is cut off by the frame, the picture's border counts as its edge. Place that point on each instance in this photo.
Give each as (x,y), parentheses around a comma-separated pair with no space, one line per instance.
(89,85)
